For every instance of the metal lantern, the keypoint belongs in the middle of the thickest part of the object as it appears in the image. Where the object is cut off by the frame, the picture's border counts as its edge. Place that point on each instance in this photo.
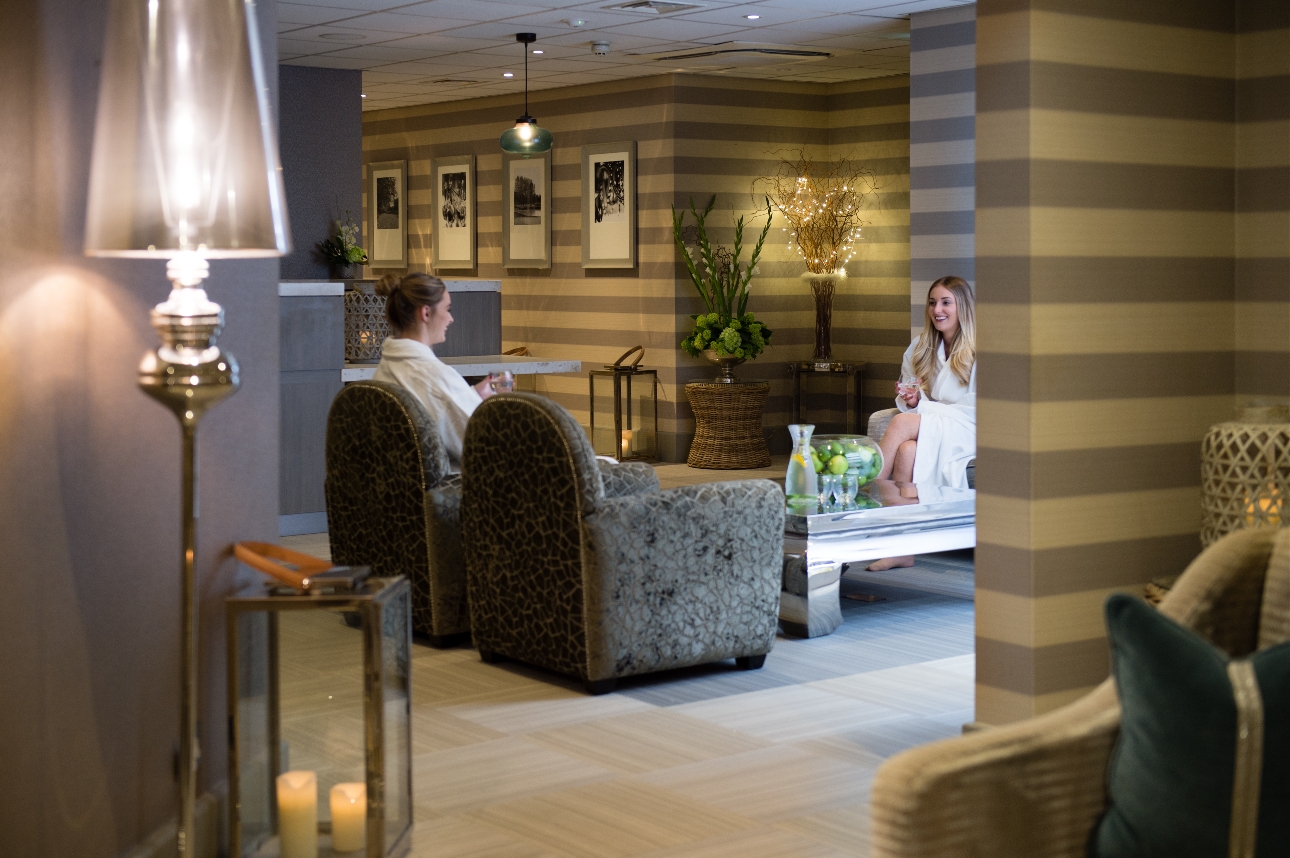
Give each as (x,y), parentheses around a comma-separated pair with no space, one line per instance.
(320,753)
(635,416)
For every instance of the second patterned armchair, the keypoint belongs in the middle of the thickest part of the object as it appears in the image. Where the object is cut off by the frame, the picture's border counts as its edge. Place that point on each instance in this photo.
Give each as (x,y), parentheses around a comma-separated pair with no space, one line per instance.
(601,575)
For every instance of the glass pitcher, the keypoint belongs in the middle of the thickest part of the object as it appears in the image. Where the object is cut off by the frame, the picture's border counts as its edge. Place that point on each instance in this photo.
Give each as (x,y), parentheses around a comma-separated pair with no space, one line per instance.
(799,482)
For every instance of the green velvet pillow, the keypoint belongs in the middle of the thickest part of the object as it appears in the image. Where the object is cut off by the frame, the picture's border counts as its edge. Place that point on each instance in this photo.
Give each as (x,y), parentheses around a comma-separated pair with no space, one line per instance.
(1171,775)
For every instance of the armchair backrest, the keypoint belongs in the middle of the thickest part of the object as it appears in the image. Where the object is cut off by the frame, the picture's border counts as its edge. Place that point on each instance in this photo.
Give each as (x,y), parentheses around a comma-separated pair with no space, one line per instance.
(529,475)
(383,453)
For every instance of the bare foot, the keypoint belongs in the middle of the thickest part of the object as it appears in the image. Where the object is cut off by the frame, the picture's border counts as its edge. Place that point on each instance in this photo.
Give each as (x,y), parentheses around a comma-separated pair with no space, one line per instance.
(891,563)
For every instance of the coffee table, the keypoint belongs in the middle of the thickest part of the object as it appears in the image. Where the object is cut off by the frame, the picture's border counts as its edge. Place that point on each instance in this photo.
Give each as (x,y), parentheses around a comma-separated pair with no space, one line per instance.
(903,518)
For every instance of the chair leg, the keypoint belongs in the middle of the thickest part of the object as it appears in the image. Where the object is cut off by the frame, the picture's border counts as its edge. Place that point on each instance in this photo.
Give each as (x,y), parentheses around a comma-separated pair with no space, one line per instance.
(444,641)
(600,686)
(750,662)
(487,656)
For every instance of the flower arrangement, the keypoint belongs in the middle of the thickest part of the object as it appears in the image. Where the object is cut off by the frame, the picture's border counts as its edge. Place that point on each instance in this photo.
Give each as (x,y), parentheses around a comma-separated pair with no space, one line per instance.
(822,203)
(722,281)
(343,249)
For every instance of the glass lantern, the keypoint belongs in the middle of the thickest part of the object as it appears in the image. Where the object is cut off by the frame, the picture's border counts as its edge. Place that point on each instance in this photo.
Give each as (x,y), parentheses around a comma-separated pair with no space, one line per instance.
(633,435)
(320,754)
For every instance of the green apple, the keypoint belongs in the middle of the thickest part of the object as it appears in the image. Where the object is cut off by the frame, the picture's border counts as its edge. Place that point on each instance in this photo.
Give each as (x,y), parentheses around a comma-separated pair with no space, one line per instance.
(838,465)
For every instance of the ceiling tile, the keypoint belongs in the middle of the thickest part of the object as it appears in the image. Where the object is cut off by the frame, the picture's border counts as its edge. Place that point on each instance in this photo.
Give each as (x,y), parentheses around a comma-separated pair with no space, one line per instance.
(325,62)
(681,31)
(300,14)
(397,22)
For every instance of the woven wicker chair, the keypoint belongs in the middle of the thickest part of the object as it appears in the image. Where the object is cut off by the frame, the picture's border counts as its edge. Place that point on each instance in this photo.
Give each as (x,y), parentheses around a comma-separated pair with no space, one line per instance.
(393,505)
(575,569)
(1035,789)
(880,420)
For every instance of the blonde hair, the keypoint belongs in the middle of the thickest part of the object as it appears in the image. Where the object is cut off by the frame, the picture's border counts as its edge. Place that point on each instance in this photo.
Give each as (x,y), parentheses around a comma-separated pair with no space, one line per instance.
(962,354)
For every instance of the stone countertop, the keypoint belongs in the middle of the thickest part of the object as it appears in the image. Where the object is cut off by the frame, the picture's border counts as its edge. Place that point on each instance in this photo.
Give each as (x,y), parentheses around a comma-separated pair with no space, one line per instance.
(473,365)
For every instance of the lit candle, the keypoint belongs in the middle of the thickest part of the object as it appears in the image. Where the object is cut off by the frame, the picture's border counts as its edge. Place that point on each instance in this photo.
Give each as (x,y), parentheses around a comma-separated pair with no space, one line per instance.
(627,442)
(298,814)
(348,817)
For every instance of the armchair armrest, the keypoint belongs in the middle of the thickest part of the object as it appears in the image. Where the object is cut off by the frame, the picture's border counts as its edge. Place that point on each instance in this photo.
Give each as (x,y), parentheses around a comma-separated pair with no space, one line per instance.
(1028,790)
(627,478)
(682,577)
(878,422)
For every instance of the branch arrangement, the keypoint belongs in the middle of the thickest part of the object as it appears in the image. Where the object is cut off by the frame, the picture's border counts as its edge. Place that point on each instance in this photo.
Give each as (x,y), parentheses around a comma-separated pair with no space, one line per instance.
(823,202)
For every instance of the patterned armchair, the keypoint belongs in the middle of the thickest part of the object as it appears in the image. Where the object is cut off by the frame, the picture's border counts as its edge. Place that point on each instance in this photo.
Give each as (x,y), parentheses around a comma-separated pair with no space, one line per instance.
(600,575)
(393,505)
(1035,789)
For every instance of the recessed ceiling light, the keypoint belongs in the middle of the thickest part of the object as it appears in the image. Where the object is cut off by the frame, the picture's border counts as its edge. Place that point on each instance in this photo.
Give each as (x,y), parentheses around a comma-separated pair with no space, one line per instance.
(364,95)
(343,37)
(752,17)
(508,74)
(537,52)
(575,22)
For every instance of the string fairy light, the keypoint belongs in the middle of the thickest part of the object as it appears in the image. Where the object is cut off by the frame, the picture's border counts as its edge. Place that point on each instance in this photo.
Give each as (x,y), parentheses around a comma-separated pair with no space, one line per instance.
(822,204)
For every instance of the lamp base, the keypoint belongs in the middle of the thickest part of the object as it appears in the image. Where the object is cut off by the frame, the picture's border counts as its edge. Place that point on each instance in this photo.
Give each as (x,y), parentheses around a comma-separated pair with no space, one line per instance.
(189,375)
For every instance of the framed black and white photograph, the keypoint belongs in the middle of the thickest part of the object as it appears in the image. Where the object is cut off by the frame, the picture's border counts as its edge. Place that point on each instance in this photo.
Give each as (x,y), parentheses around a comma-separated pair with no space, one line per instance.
(453,227)
(526,211)
(387,203)
(609,205)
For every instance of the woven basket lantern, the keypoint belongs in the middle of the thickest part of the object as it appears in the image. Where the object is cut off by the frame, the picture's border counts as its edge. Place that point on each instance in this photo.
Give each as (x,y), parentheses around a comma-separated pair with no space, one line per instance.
(1244,477)
(365,324)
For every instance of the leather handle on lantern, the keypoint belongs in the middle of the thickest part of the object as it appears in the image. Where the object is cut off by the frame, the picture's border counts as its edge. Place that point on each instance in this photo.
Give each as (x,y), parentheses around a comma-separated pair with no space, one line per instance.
(278,562)
(520,351)
(629,353)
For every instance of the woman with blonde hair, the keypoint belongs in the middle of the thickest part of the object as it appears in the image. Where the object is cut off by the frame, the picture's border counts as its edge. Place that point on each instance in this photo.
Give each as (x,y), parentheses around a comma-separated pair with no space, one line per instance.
(933,439)
(418,307)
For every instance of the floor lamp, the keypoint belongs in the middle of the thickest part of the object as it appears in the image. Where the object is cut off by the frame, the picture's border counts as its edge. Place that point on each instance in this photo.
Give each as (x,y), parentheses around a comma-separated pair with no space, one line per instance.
(185,168)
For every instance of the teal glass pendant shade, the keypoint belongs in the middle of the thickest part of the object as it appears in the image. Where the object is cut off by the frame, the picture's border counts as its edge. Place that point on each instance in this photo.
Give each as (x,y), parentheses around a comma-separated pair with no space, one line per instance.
(526,138)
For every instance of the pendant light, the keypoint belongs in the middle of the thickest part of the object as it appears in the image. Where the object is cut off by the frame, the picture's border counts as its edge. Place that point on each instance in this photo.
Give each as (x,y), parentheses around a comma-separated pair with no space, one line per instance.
(527,137)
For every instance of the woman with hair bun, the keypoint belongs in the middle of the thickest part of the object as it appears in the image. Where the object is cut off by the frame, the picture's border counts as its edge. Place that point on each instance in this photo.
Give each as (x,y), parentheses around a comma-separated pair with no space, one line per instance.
(419,309)
(934,437)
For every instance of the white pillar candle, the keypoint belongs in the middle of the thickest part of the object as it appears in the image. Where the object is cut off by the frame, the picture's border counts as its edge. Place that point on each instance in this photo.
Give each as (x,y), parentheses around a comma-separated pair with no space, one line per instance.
(348,817)
(298,814)
(627,442)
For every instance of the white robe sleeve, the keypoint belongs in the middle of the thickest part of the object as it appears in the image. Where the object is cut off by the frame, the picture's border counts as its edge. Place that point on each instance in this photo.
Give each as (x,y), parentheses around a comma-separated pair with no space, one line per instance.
(906,370)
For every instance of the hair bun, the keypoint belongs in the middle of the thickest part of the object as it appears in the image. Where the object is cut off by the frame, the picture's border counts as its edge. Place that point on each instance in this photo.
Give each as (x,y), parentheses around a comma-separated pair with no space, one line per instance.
(388,285)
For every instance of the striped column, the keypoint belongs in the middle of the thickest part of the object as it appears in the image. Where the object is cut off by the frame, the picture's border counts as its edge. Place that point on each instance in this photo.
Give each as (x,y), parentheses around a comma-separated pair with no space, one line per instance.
(1105,255)
(1263,201)
(942,150)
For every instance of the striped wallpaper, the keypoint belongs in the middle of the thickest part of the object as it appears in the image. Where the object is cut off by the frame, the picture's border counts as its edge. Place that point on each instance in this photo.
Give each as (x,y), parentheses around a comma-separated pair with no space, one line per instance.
(942,150)
(696,136)
(1132,240)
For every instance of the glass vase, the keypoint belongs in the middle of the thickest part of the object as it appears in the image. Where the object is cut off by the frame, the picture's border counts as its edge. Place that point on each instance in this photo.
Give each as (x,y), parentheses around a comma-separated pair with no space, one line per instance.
(799,482)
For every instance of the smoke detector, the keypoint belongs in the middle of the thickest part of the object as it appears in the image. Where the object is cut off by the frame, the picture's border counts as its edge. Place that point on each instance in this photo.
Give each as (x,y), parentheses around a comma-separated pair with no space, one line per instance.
(655,7)
(600,49)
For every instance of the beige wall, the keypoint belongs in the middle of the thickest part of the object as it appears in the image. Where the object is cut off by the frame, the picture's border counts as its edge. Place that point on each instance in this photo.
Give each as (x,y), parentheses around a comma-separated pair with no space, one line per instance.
(1131,275)
(695,136)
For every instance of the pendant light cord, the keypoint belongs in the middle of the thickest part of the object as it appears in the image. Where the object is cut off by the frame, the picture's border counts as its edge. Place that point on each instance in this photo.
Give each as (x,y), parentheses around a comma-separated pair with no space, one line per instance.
(526,78)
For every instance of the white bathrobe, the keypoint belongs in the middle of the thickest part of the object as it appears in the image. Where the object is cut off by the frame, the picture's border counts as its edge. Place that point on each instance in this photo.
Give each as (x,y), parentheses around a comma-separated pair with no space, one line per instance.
(439,388)
(947,430)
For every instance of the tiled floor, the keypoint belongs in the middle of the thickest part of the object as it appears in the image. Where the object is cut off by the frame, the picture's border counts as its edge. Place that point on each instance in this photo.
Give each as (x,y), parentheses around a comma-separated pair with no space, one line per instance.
(709,761)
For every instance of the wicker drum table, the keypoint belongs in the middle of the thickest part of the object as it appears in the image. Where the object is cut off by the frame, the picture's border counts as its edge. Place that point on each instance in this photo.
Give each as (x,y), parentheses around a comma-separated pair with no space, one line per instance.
(727,425)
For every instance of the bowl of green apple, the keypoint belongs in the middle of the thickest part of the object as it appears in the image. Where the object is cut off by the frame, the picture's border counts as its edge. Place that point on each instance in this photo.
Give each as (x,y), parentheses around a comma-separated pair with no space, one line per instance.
(858,455)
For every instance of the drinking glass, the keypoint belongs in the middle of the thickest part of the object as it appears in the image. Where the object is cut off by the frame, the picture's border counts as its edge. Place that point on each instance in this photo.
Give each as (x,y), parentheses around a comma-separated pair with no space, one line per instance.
(503,382)
(850,487)
(908,384)
(830,488)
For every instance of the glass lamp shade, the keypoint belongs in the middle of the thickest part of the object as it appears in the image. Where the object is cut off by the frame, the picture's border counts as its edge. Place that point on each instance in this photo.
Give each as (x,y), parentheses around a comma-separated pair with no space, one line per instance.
(185,153)
(526,138)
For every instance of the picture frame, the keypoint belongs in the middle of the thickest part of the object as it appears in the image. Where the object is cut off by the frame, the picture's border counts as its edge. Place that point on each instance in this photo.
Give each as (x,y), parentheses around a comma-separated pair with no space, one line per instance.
(453,232)
(387,214)
(526,211)
(609,205)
